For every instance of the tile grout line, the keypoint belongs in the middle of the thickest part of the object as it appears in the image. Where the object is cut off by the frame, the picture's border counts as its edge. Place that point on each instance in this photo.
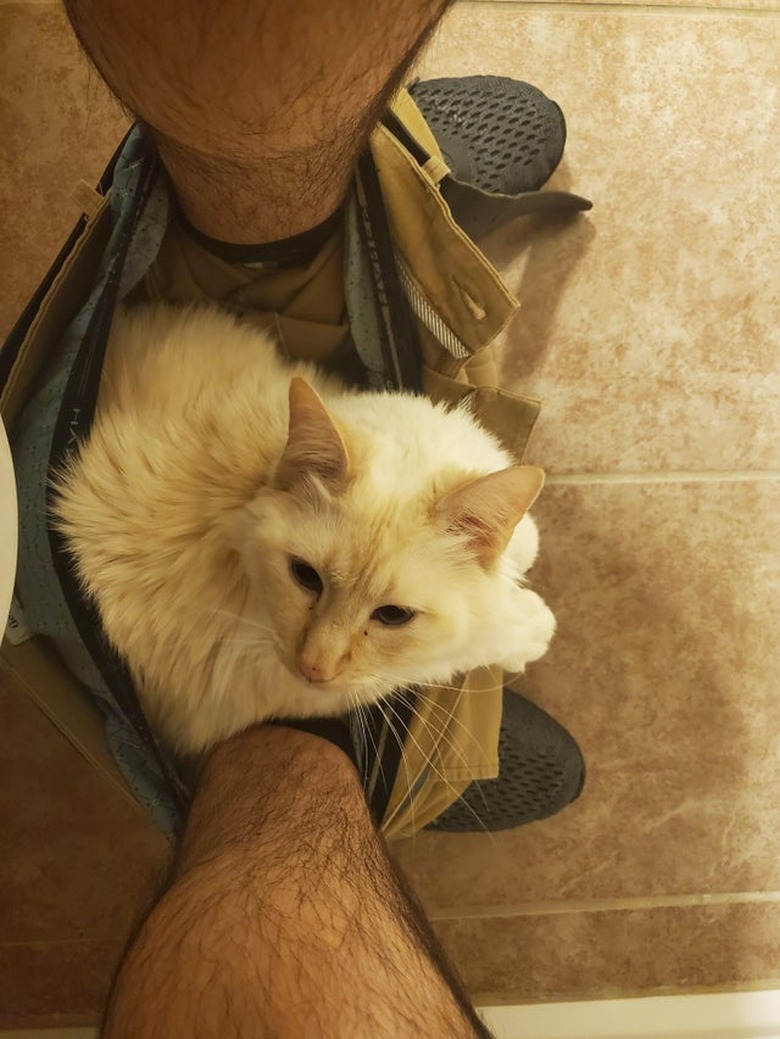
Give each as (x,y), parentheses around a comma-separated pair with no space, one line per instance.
(672,476)
(602,7)
(120,940)
(531,909)
(609,905)
(635,6)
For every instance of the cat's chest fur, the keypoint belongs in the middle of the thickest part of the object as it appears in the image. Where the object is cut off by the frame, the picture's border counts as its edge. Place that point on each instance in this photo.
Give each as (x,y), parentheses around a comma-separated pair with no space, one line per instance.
(206,477)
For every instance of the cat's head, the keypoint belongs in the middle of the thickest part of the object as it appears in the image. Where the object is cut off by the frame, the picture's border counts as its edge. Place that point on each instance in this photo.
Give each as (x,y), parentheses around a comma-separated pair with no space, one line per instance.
(363,590)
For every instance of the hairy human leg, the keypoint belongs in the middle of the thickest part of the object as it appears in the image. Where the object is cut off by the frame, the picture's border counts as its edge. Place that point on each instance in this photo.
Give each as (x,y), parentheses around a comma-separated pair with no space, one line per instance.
(285,916)
(259,107)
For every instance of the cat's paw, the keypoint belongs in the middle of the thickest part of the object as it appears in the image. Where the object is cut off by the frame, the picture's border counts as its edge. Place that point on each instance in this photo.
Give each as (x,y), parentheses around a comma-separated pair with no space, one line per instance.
(533,626)
(524,544)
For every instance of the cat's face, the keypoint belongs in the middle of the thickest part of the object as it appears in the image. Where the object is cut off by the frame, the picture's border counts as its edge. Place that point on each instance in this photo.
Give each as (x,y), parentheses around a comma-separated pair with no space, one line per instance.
(357,603)
(360,592)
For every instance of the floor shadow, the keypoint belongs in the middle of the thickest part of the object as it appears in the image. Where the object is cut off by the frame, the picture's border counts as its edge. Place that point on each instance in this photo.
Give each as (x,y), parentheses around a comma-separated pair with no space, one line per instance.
(537,256)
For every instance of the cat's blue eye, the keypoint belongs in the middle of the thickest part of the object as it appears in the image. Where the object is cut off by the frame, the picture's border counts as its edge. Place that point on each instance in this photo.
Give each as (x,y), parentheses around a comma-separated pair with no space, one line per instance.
(392,616)
(306,576)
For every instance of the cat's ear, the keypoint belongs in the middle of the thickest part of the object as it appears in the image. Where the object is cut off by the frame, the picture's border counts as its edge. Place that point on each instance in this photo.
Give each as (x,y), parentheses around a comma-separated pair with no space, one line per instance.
(314,445)
(487,509)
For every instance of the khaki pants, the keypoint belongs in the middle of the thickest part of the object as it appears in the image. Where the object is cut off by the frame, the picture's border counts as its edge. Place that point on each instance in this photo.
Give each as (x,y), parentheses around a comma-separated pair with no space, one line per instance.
(461,305)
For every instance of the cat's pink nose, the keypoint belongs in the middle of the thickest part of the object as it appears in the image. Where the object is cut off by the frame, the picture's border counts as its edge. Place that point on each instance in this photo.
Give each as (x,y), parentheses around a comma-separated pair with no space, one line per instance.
(314,672)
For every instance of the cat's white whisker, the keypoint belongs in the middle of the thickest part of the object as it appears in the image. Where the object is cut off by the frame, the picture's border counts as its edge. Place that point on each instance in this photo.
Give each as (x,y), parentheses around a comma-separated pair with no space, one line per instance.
(438,735)
(449,715)
(384,705)
(441,734)
(511,676)
(431,700)
(243,619)
(361,710)
(243,638)
(443,778)
(417,744)
(443,713)
(394,680)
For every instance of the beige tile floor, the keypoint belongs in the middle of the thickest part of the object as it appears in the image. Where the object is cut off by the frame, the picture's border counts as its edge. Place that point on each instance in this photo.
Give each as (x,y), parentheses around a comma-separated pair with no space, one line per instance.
(650,328)
(79,865)
(49,1033)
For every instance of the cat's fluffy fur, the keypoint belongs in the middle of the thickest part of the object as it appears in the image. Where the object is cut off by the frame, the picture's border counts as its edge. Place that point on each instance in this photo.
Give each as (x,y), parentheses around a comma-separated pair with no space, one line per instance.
(210,467)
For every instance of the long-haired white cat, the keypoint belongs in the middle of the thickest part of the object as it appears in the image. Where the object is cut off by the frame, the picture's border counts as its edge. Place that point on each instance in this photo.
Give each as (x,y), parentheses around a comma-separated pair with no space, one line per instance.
(263,542)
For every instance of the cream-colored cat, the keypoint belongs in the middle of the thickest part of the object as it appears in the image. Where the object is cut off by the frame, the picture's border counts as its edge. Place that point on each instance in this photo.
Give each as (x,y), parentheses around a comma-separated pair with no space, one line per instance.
(262,541)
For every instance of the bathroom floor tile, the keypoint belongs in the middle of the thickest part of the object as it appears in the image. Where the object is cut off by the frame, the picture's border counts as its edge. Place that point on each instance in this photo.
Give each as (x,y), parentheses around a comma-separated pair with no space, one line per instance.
(59,124)
(664,668)
(651,325)
(48,984)
(78,862)
(616,954)
(675,6)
